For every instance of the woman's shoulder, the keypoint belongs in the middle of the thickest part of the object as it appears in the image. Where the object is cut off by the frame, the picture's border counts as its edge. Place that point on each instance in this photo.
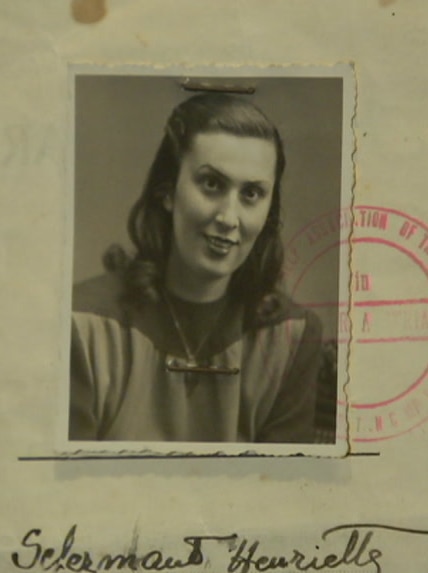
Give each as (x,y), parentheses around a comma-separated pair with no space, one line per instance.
(289,325)
(101,296)
(279,307)
(279,313)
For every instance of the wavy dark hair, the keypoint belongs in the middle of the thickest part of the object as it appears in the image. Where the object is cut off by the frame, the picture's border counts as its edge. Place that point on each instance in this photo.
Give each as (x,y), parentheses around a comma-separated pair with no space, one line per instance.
(150,224)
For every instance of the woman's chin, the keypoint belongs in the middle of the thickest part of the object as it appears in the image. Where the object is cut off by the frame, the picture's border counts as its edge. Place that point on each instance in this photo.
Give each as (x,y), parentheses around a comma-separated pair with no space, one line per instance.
(216,268)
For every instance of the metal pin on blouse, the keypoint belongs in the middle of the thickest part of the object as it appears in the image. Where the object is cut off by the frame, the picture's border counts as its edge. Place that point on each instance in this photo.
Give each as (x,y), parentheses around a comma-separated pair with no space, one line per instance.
(174,364)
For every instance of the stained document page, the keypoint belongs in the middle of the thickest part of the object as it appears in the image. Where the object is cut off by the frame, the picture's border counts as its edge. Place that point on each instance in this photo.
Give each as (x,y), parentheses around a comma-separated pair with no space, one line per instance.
(361,512)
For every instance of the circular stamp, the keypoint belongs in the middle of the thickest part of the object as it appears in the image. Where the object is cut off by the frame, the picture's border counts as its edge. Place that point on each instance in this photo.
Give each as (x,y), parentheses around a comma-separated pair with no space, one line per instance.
(377,311)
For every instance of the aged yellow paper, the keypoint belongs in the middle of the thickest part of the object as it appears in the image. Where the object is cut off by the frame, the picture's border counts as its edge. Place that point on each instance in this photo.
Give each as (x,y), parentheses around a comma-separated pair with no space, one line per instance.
(365,512)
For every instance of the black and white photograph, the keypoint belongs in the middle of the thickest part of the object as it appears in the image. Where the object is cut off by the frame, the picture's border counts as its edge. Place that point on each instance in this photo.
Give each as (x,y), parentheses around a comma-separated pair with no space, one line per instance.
(190,326)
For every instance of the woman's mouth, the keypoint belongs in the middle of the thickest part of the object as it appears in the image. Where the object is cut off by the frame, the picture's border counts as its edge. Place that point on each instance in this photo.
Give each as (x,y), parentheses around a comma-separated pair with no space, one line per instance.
(219,245)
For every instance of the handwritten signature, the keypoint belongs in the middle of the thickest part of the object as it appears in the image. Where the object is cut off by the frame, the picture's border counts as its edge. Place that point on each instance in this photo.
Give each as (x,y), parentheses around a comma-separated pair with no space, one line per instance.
(357,549)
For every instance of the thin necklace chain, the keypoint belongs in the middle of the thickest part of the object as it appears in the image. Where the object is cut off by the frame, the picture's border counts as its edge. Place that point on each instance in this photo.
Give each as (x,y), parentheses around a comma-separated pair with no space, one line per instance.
(191,355)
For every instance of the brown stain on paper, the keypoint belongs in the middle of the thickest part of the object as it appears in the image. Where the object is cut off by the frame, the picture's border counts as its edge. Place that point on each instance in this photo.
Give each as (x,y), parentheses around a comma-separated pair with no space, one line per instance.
(385,3)
(88,11)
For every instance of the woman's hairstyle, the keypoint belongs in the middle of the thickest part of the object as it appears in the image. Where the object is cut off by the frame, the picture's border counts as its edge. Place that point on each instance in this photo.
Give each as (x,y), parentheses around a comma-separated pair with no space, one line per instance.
(150,224)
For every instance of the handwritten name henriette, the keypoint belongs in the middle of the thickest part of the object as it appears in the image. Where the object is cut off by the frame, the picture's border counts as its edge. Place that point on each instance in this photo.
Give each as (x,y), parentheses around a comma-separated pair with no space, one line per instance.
(354,549)
(356,553)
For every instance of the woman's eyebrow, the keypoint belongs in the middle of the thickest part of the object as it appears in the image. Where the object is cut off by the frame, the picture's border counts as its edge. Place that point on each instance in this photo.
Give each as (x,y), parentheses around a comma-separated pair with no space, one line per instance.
(227,178)
(214,170)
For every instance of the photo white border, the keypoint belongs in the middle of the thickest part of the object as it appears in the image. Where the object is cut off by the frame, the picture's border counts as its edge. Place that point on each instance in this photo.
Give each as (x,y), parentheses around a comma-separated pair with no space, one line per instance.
(79,449)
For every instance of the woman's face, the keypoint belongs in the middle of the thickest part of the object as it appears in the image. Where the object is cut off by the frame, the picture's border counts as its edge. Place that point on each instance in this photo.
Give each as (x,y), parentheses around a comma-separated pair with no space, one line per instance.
(220,205)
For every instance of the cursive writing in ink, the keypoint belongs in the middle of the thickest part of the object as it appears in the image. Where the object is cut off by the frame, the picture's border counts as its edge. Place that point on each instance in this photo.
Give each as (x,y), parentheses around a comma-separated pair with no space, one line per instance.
(49,559)
(46,557)
(356,548)
(355,553)
(156,561)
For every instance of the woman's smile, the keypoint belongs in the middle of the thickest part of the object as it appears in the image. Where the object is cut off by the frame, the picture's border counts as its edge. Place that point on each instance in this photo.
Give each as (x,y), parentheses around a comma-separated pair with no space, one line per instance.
(220,245)
(219,207)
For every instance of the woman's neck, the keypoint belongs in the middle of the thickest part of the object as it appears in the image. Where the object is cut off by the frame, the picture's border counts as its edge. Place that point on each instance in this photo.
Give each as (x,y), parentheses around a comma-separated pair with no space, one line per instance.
(188,287)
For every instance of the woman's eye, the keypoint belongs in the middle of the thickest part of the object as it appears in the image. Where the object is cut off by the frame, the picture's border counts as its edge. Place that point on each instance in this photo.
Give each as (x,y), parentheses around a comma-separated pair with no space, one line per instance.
(252,194)
(211,184)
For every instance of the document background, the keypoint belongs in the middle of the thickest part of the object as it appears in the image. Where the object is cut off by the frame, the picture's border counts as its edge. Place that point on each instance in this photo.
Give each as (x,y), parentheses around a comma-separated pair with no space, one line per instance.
(270,498)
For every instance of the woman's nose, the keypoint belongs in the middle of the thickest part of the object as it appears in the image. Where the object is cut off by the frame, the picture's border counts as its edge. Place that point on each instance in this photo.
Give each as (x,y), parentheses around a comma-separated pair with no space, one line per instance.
(228,212)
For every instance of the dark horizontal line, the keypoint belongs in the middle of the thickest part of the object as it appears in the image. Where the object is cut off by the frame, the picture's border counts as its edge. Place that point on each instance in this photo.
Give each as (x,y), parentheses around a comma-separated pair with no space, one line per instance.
(169,457)
(364,454)
(150,457)
(134,457)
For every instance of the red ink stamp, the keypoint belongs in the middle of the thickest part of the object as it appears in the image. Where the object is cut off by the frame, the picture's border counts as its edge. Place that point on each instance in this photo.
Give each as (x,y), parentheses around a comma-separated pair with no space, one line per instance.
(385,322)
(390,326)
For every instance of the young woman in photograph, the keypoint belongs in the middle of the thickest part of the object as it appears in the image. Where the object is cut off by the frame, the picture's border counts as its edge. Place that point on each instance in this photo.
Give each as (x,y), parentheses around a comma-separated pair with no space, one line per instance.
(192,338)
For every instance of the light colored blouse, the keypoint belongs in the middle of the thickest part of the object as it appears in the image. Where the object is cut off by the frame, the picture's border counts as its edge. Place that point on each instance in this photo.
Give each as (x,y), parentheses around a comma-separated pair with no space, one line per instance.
(122,390)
